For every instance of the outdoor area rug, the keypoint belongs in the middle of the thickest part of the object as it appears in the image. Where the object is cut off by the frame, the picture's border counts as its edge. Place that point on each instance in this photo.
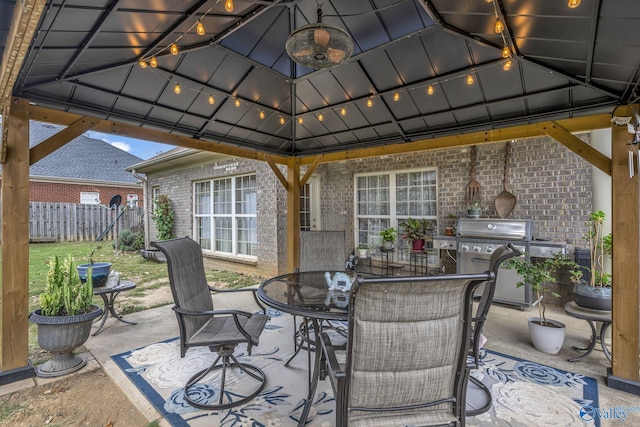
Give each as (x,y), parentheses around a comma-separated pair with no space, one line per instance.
(524,393)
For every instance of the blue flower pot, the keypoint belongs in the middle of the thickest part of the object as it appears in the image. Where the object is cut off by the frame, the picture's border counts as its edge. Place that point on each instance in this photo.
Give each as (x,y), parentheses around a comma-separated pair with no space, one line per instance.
(99,273)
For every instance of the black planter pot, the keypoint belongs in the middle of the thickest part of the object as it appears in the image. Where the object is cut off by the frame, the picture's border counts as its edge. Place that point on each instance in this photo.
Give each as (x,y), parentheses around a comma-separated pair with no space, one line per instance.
(61,335)
(593,297)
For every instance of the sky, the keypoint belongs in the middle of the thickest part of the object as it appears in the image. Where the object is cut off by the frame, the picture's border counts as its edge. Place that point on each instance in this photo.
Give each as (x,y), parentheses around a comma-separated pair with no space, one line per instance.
(138,147)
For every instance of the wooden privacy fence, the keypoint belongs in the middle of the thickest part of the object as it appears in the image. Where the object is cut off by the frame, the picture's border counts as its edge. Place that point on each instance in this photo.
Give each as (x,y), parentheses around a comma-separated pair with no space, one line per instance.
(78,222)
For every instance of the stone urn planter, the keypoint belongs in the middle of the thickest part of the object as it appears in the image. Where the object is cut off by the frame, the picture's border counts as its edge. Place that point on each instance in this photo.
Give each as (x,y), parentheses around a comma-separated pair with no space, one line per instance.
(593,297)
(61,335)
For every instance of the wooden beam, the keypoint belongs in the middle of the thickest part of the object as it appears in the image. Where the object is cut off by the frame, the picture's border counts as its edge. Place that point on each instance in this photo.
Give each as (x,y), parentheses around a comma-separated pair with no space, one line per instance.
(58,140)
(25,18)
(310,171)
(110,127)
(578,146)
(276,171)
(577,124)
(14,306)
(625,228)
(293,214)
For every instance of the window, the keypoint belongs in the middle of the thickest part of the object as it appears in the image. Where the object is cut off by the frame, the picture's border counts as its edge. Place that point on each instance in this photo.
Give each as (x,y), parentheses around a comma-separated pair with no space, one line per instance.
(89,198)
(384,200)
(225,215)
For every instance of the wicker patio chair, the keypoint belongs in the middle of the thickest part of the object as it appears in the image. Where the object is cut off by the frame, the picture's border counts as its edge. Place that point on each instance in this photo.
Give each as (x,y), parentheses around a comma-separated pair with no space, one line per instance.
(200,325)
(406,352)
(478,395)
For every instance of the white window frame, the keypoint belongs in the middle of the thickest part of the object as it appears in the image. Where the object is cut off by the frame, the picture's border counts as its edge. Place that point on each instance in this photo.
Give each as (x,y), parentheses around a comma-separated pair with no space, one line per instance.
(208,242)
(393,218)
(89,198)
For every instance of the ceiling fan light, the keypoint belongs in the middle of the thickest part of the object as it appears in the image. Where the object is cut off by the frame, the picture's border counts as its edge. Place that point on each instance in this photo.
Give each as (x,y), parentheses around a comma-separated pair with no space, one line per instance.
(319,45)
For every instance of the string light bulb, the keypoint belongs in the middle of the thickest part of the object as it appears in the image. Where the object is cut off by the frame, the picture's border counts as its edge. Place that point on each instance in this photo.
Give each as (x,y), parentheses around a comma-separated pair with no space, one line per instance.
(430,90)
(200,28)
(300,120)
(507,65)
(211,100)
(506,52)
(237,102)
(153,62)
(488,1)
(142,64)
(499,26)
(369,103)
(343,111)
(228,6)
(320,117)
(173,49)
(261,115)
(176,88)
(396,97)
(469,79)
(574,3)
(281,120)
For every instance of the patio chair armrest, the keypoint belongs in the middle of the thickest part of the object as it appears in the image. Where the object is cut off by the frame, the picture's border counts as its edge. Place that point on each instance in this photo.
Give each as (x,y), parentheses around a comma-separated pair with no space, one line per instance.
(211,312)
(252,290)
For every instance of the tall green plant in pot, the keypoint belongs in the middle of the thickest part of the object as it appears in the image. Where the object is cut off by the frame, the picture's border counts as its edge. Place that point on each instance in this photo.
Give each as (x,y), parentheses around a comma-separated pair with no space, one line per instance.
(64,318)
(595,293)
(546,335)
(164,215)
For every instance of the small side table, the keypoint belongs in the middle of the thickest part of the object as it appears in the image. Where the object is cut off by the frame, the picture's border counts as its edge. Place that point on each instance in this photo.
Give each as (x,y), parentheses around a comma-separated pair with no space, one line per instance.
(574,310)
(108,293)
(418,263)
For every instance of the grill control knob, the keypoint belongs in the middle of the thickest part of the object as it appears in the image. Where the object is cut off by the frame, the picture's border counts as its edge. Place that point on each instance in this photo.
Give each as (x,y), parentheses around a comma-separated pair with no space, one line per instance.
(489,250)
(444,245)
(464,248)
(477,248)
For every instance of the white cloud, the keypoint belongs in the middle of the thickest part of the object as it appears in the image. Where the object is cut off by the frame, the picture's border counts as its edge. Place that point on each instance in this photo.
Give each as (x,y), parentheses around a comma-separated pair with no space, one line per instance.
(122,145)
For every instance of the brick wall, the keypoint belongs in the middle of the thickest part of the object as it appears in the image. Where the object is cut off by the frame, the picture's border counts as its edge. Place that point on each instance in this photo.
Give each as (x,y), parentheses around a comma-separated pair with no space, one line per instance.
(70,193)
(551,183)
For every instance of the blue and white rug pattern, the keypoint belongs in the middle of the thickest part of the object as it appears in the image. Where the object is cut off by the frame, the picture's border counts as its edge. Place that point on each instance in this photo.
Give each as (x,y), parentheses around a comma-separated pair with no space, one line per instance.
(524,393)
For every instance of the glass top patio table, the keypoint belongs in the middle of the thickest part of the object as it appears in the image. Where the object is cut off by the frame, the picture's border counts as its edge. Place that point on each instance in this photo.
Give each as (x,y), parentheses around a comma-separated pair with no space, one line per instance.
(307,294)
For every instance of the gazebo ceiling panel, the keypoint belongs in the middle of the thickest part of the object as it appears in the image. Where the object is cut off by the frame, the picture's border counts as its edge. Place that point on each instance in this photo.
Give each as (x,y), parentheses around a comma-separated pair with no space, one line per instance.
(567,62)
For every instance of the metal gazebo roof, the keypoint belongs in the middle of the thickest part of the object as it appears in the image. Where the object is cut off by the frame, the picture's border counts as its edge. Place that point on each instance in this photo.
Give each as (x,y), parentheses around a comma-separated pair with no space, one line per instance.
(565,62)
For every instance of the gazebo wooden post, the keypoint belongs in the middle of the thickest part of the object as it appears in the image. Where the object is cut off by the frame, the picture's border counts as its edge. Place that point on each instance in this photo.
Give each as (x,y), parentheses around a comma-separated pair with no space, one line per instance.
(14,303)
(625,371)
(293,214)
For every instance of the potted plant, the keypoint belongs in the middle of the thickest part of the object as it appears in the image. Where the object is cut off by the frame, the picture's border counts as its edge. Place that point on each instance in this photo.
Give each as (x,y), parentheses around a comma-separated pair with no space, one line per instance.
(595,291)
(388,237)
(474,210)
(450,228)
(546,335)
(64,318)
(414,230)
(99,270)
(362,250)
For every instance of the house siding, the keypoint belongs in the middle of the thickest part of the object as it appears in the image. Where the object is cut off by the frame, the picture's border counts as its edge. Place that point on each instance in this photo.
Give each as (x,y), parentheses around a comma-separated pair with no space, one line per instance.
(552,185)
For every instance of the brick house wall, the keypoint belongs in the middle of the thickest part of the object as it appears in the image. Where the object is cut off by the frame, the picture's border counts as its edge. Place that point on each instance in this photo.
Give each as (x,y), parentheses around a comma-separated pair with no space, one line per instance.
(43,191)
(551,183)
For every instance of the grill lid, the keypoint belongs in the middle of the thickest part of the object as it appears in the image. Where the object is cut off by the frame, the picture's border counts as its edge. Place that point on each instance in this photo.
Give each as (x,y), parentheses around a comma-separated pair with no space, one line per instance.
(496,229)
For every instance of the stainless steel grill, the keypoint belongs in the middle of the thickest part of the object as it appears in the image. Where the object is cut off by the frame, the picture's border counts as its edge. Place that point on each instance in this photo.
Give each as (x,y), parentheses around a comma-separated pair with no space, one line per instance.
(475,241)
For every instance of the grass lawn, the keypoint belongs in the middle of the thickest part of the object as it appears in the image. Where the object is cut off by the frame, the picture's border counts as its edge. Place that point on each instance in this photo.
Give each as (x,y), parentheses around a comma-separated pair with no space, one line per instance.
(148,275)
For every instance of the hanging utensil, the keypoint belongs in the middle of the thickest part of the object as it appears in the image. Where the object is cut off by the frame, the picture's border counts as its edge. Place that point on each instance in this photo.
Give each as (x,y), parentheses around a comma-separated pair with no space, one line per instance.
(473,187)
(505,201)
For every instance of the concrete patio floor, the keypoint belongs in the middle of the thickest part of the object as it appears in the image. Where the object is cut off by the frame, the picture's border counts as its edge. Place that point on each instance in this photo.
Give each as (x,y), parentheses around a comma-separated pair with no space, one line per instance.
(506,330)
